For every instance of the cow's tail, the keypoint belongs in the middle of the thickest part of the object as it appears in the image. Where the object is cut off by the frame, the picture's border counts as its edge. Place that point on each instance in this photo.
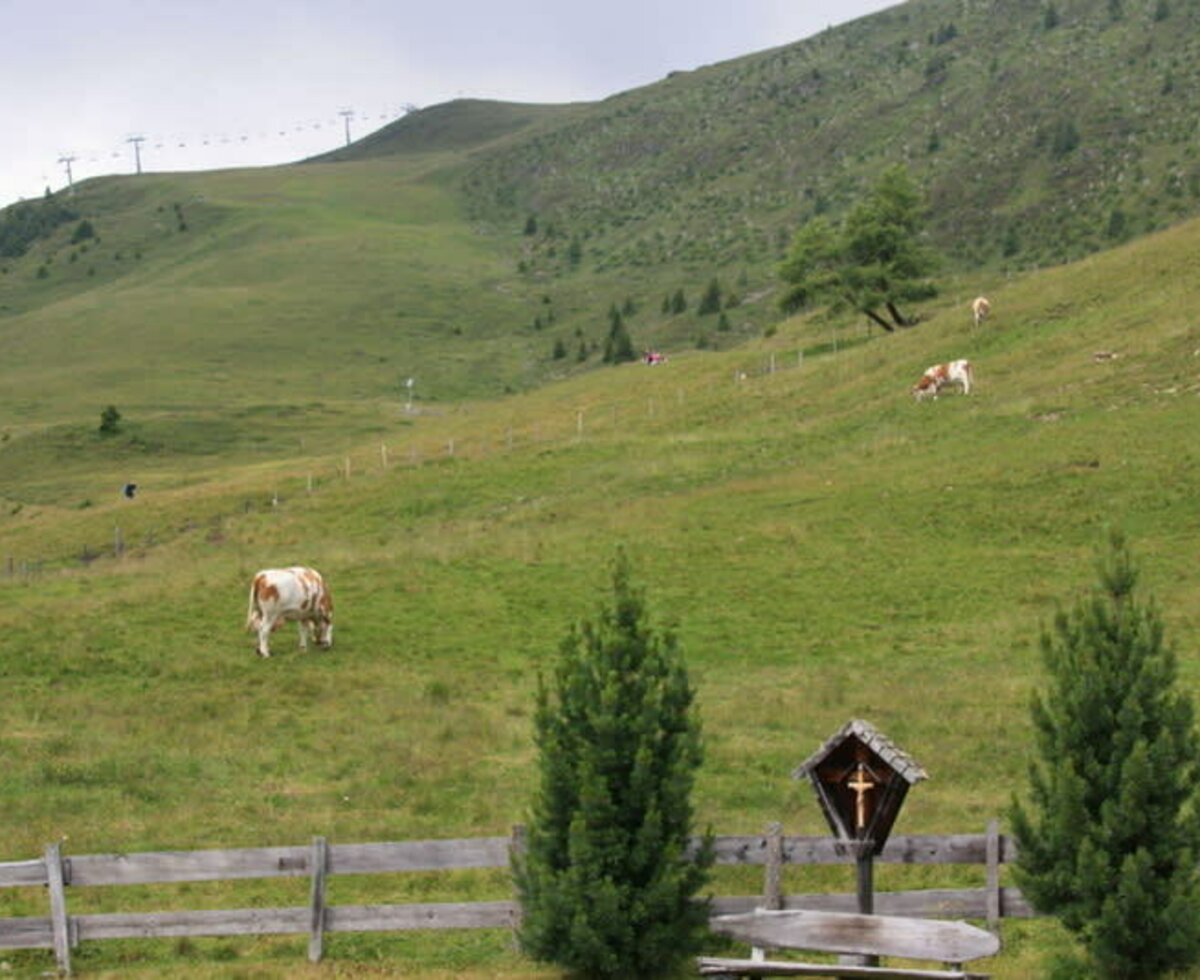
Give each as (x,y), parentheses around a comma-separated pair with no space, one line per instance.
(970,374)
(253,613)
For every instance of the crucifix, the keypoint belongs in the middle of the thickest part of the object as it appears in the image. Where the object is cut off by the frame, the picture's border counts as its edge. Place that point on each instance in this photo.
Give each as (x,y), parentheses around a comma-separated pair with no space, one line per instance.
(861,786)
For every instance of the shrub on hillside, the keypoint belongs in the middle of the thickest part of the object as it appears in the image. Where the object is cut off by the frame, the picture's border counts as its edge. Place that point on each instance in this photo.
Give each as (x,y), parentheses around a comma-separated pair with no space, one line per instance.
(109,419)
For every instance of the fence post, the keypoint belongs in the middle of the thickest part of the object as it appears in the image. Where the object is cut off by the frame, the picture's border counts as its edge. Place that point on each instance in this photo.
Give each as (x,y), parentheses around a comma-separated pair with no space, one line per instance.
(994,906)
(773,875)
(318,859)
(772,878)
(60,924)
(516,849)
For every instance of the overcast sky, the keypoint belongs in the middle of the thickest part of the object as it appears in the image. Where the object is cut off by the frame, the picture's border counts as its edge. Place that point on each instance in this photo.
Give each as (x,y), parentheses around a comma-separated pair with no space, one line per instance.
(222,83)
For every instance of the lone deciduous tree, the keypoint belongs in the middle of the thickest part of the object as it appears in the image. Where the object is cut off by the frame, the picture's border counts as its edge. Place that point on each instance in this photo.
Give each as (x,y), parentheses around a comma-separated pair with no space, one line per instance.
(606,881)
(1110,842)
(877,259)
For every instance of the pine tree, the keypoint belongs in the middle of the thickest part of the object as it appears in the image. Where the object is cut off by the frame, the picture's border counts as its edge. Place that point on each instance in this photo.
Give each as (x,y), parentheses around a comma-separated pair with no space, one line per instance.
(618,345)
(1110,843)
(710,302)
(607,885)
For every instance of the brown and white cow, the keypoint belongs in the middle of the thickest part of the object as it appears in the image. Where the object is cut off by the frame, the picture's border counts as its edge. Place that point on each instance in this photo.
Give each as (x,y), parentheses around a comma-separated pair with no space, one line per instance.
(279,595)
(980,308)
(938,376)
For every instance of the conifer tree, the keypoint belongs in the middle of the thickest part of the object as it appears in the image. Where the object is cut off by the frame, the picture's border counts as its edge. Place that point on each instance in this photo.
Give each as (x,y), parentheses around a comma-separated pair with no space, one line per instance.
(1110,842)
(618,345)
(876,260)
(606,881)
(710,302)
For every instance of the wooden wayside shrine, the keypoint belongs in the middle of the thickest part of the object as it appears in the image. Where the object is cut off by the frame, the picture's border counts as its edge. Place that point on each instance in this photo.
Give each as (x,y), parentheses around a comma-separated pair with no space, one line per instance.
(861,779)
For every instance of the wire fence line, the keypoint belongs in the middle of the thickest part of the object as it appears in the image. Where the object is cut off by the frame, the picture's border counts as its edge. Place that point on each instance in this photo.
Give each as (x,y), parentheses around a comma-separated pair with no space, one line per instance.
(571,423)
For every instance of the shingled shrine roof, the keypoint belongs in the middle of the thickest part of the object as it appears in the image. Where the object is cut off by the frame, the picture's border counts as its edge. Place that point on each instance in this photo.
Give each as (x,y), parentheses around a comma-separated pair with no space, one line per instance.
(903,764)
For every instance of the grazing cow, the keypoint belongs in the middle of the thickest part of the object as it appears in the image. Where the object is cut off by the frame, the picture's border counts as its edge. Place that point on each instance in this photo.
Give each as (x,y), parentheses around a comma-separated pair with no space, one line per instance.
(938,376)
(980,308)
(281,594)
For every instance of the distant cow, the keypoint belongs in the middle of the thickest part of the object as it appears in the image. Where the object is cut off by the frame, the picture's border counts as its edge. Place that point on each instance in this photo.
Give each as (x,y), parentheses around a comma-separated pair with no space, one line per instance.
(938,376)
(980,308)
(278,595)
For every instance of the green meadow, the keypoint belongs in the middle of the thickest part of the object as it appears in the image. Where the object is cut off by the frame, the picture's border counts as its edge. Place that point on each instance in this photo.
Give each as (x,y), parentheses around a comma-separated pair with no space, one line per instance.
(825,547)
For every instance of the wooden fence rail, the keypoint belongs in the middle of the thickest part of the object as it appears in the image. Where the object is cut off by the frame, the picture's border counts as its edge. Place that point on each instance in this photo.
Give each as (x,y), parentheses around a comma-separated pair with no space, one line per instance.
(62,931)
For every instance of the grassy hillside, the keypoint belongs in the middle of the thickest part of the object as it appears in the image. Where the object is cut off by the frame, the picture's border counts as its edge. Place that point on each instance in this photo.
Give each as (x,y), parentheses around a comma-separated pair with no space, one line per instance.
(207,306)
(479,247)
(464,124)
(1042,131)
(828,548)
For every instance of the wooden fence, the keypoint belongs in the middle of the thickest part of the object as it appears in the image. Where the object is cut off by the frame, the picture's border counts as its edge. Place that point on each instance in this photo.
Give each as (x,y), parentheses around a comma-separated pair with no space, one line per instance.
(62,931)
